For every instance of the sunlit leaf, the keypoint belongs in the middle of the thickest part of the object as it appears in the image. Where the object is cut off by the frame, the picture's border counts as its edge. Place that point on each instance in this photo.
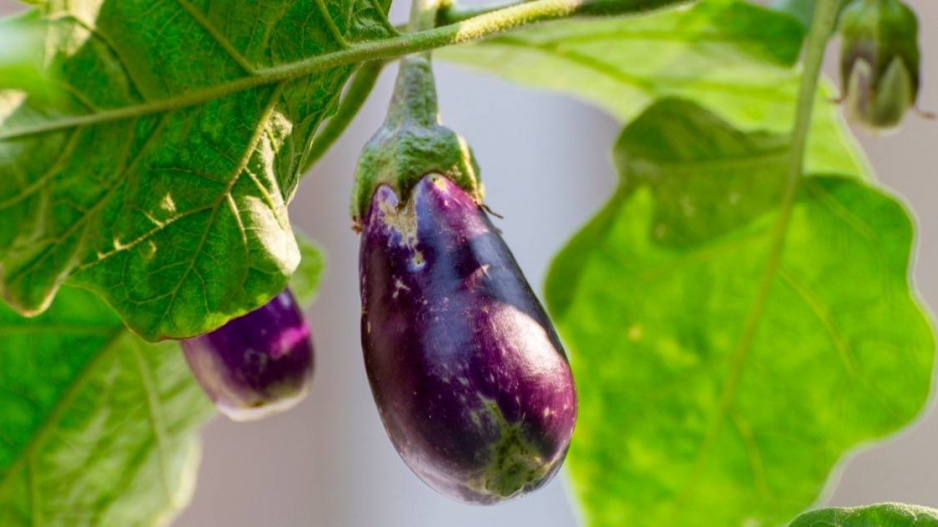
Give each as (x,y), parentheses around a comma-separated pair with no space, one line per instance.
(161,180)
(730,344)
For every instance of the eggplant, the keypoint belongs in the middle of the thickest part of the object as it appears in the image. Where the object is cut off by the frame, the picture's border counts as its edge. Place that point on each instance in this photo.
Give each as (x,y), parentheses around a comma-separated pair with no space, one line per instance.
(257,365)
(468,374)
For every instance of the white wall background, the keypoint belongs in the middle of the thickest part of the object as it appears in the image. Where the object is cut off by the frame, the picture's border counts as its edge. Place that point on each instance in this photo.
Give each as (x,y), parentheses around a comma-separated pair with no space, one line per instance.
(546,166)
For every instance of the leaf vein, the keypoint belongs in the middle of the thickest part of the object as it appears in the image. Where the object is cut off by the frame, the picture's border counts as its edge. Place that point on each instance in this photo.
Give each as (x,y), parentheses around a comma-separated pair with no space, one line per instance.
(239,170)
(219,38)
(155,418)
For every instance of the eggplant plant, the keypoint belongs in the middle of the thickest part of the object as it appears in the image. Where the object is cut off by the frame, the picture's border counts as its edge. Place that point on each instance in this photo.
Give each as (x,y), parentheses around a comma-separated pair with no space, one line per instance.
(739,317)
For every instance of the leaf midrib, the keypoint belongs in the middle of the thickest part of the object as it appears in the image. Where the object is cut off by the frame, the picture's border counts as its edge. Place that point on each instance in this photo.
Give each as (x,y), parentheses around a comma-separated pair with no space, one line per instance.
(744,346)
(382,48)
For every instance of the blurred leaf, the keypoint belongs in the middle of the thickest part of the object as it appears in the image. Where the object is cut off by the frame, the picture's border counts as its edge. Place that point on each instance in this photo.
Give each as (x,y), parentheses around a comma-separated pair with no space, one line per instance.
(98,428)
(21,45)
(161,180)
(731,346)
(305,281)
(881,515)
(733,57)
(803,10)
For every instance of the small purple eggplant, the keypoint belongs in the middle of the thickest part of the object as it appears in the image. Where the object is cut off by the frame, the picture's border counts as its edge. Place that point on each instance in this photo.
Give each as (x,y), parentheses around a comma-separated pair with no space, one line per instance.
(468,374)
(257,365)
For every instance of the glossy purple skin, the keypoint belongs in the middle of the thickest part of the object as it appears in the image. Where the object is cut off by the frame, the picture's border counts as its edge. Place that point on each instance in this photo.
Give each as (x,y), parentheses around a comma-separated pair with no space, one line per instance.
(256,365)
(468,374)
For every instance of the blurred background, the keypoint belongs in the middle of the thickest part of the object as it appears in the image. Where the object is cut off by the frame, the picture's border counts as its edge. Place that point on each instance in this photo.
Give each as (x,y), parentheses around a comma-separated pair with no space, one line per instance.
(546,165)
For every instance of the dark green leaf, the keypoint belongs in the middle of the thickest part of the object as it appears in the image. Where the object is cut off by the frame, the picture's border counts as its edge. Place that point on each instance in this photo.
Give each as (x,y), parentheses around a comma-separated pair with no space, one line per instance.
(731,345)
(161,181)
(733,57)
(881,515)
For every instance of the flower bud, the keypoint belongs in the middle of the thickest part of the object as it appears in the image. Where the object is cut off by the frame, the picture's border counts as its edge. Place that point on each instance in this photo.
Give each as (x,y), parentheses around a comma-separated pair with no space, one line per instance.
(880,62)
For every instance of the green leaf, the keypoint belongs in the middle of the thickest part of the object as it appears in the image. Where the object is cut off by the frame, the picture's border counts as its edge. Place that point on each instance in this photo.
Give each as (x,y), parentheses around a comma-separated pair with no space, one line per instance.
(305,281)
(98,428)
(21,56)
(731,56)
(161,181)
(731,345)
(880,515)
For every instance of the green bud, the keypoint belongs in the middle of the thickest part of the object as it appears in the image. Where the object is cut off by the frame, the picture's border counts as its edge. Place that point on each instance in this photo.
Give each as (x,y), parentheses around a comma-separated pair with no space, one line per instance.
(879,65)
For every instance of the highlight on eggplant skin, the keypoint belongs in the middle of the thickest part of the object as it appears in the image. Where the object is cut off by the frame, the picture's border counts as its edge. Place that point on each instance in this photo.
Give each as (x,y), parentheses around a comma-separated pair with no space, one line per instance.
(257,365)
(469,376)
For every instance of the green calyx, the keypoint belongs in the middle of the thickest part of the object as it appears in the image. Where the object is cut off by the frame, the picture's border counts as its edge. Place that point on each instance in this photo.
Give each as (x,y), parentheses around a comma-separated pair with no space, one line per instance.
(412,143)
(880,61)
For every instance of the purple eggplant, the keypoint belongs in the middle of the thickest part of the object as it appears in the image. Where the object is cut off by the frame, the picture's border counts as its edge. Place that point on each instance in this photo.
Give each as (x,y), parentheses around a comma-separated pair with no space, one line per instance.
(468,374)
(256,365)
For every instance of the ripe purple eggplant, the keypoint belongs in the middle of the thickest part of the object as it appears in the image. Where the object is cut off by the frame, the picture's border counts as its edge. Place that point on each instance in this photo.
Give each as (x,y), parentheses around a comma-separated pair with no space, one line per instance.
(256,365)
(468,374)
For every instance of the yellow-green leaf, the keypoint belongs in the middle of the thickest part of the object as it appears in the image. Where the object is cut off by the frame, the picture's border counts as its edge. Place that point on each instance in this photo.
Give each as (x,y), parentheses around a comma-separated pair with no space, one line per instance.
(732,346)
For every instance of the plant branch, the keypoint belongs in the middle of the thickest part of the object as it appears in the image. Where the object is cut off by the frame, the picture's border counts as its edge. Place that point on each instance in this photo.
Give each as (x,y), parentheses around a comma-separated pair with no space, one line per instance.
(453,13)
(472,29)
(359,89)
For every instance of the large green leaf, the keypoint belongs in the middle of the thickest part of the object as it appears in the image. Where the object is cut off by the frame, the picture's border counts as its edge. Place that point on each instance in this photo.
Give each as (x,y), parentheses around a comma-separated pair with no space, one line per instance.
(879,515)
(161,181)
(98,428)
(730,344)
(736,58)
